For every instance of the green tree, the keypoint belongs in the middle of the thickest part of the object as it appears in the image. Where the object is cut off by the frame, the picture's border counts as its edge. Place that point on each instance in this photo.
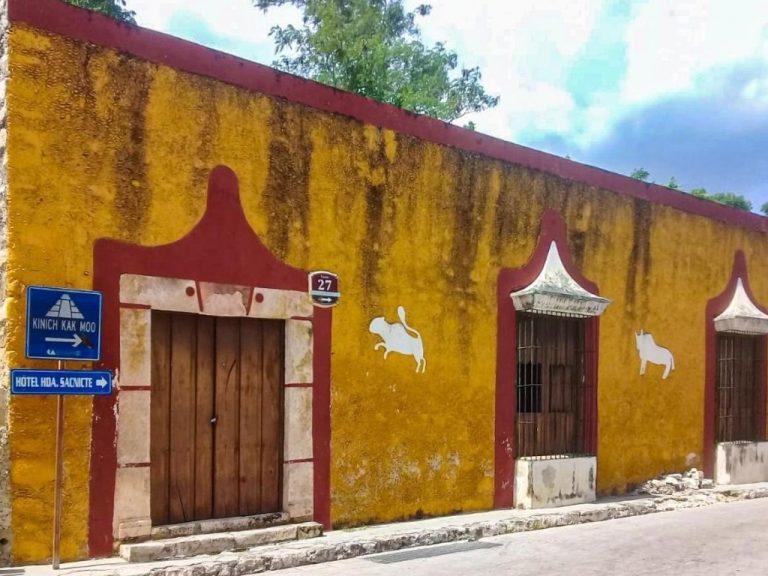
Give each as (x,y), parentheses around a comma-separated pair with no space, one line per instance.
(114,8)
(731,199)
(374,48)
(764,208)
(727,198)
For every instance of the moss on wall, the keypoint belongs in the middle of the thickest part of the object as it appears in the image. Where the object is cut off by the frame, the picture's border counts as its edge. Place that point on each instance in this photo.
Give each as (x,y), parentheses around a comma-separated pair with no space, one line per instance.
(104,145)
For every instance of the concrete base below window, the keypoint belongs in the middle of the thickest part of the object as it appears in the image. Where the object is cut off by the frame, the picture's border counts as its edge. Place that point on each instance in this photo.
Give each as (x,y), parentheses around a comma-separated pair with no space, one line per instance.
(556,481)
(741,462)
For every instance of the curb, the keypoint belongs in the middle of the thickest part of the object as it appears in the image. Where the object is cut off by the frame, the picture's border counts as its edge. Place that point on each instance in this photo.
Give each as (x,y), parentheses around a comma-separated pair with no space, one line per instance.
(270,558)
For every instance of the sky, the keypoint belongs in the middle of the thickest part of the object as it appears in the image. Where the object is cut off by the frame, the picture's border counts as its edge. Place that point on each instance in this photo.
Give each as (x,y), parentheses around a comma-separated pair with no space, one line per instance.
(677,87)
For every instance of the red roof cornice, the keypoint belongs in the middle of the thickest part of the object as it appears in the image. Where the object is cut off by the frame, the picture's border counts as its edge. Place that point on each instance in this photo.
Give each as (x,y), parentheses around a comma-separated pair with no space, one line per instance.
(63,19)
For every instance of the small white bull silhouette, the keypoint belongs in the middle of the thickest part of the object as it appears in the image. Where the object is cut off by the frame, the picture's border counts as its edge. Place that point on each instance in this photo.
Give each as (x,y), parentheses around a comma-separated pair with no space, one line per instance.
(653,353)
(399,337)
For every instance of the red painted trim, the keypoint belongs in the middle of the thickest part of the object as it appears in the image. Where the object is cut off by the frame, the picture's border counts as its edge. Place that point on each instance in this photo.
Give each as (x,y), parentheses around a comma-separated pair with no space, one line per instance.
(293,385)
(131,388)
(552,229)
(321,414)
(762,396)
(59,18)
(135,306)
(298,461)
(134,465)
(715,307)
(591,420)
(506,399)
(222,248)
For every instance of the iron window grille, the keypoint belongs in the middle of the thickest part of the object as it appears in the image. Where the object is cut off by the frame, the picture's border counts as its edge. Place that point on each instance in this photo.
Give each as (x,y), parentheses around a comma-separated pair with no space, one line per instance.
(552,387)
(738,405)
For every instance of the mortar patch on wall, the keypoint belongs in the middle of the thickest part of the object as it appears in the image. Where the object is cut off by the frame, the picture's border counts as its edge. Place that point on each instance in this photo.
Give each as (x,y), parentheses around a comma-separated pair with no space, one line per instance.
(399,337)
(651,352)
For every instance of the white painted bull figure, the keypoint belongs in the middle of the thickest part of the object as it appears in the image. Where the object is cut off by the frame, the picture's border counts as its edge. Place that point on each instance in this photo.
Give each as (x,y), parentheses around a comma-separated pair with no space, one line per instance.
(651,352)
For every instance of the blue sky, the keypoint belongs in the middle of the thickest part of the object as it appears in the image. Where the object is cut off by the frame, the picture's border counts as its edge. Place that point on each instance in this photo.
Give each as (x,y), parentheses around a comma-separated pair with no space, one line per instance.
(679,87)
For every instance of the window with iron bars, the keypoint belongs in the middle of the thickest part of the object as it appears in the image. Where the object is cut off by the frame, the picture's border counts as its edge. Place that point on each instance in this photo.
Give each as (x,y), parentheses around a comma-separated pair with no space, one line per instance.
(738,407)
(551,386)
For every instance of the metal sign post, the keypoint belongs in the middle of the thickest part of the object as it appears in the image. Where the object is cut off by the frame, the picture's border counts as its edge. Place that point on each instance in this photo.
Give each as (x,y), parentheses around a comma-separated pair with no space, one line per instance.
(57,485)
(62,324)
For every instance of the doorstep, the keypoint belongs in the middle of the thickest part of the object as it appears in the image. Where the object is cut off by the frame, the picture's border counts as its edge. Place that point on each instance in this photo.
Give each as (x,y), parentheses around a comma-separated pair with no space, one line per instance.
(344,544)
(217,542)
(214,525)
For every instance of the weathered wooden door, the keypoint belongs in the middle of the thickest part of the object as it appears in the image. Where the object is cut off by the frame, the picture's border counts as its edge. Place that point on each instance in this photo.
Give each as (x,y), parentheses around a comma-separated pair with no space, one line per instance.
(216,417)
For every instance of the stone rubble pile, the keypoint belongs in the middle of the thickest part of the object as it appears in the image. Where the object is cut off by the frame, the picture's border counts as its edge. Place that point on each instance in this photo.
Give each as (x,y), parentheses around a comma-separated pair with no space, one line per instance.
(668,484)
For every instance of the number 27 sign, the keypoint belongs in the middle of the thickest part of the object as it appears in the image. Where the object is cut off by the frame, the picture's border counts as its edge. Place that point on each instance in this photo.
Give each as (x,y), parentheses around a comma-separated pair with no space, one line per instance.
(324,288)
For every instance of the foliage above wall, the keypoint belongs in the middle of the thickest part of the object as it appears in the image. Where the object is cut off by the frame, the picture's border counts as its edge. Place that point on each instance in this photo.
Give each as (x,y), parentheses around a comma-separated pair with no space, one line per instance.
(727,198)
(374,48)
(113,8)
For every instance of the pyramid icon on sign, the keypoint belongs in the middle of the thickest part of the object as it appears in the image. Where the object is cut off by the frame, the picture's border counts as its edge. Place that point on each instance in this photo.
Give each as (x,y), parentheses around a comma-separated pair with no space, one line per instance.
(65,308)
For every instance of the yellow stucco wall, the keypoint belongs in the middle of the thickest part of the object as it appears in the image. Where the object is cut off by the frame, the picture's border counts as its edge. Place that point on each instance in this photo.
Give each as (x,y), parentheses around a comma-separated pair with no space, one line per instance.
(103,145)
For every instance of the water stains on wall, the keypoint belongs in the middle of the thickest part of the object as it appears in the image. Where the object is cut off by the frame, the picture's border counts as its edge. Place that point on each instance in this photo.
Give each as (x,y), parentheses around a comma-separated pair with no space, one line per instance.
(122,148)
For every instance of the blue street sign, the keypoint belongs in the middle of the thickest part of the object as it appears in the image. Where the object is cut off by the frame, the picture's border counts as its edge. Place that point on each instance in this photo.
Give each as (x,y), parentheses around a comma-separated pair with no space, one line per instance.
(63,324)
(56,382)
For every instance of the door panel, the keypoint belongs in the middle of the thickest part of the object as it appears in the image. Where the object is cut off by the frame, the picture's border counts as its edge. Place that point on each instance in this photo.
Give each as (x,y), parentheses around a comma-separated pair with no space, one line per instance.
(272,420)
(251,343)
(204,412)
(159,427)
(226,456)
(216,417)
(181,489)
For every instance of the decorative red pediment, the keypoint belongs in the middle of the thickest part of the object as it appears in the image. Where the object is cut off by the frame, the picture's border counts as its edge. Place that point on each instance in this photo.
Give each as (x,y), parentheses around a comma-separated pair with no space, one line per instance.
(513,289)
(733,310)
(736,309)
(222,248)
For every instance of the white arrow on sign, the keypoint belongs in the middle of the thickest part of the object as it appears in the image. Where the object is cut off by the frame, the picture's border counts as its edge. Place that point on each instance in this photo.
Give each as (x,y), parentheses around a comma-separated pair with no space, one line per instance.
(102,382)
(75,340)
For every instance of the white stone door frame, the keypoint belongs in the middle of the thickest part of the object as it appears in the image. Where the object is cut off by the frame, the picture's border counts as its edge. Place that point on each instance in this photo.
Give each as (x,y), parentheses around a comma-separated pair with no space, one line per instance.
(139,295)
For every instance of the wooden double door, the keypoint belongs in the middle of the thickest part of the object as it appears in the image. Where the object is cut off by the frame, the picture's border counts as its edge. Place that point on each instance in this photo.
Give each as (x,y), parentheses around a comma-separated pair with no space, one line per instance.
(216,417)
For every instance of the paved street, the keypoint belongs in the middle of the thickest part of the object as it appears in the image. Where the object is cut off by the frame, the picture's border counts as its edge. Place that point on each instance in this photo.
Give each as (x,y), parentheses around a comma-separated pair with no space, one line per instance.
(723,539)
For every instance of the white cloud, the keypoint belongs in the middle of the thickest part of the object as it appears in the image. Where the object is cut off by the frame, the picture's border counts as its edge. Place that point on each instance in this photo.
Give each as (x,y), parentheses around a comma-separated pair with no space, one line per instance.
(592,124)
(236,20)
(756,92)
(537,106)
(499,27)
(524,50)
(669,44)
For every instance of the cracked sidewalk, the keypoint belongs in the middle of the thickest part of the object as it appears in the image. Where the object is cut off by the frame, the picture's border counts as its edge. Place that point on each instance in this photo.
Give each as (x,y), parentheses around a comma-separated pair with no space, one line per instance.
(351,543)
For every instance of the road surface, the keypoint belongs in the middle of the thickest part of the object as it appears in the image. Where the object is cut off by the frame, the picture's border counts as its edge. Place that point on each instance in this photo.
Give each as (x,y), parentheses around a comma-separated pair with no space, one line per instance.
(718,540)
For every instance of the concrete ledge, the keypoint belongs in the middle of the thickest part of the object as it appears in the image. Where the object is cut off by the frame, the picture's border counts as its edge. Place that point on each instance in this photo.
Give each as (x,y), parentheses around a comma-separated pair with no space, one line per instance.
(220,525)
(344,544)
(201,544)
(556,481)
(741,462)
